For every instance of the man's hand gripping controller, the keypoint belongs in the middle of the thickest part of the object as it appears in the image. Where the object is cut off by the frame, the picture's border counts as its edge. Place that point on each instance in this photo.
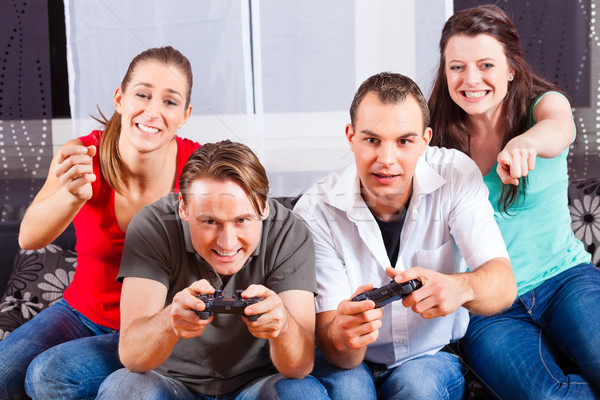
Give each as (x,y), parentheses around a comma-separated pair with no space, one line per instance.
(391,292)
(216,303)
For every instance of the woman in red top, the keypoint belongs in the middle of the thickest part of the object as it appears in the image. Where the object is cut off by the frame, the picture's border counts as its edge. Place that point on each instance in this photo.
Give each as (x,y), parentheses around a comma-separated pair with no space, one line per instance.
(99,182)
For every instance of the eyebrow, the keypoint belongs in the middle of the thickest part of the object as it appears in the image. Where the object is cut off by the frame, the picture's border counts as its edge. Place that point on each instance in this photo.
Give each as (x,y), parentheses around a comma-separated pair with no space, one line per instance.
(480,60)
(242,216)
(149,85)
(371,133)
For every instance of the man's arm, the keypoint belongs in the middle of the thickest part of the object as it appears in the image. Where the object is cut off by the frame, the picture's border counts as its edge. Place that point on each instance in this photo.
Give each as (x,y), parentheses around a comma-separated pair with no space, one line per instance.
(343,334)
(288,321)
(149,330)
(489,286)
(487,290)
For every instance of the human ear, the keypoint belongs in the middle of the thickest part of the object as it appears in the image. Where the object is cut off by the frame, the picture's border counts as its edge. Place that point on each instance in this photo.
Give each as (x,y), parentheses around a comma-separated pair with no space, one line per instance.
(265,212)
(182,210)
(118,99)
(350,134)
(186,116)
(427,136)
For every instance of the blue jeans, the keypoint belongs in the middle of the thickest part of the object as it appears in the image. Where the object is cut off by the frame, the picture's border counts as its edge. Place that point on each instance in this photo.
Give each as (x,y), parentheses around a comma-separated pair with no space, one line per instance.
(546,345)
(58,354)
(154,386)
(439,376)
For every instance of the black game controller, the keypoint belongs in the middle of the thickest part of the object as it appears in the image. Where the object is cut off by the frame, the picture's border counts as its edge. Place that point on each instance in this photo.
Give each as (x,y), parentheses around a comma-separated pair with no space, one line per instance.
(216,303)
(391,292)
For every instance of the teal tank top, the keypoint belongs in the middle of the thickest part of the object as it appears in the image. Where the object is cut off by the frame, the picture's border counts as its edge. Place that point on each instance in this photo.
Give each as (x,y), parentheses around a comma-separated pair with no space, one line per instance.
(537,229)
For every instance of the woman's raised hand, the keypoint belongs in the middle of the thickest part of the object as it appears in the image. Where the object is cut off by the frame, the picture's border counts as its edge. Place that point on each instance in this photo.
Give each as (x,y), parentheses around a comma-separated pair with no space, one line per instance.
(74,170)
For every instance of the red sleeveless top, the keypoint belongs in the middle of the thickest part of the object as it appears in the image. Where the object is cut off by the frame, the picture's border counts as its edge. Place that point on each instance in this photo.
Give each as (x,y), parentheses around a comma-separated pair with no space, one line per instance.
(95,291)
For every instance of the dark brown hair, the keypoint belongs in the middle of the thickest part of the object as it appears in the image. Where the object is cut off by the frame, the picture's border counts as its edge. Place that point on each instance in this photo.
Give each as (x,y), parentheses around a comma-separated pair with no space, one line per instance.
(391,88)
(109,155)
(227,160)
(449,121)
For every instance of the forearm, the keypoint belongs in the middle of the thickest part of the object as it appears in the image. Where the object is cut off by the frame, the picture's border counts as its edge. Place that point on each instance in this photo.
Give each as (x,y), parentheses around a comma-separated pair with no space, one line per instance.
(47,218)
(147,342)
(335,351)
(554,129)
(293,350)
(490,288)
(548,137)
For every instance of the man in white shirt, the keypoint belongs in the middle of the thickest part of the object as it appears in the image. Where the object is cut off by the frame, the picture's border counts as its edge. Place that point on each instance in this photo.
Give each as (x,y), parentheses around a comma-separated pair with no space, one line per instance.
(402,211)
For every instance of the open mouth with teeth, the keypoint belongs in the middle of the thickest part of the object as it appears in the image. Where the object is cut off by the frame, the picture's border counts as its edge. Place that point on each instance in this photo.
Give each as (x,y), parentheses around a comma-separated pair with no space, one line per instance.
(226,253)
(147,129)
(474,94)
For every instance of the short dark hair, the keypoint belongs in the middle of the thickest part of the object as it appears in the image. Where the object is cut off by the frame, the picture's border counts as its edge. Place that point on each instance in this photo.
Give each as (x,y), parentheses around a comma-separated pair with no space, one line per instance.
(391,88)
(227,160)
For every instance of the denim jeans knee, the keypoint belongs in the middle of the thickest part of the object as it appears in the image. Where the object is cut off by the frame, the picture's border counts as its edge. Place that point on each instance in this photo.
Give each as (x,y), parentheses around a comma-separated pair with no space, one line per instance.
(342,384)
(54,325)
(75,369)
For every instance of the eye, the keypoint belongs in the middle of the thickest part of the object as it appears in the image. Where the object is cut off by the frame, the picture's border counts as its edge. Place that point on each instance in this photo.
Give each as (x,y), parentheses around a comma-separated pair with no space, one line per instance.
(405,141)
(209,221)
(241,220)
(456,67)
(487,65)
(372,140)
(142,95)
(170,102)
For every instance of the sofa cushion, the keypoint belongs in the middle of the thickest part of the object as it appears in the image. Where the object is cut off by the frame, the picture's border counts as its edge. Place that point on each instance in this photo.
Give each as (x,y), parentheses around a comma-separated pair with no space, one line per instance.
(584,204)
(38,280)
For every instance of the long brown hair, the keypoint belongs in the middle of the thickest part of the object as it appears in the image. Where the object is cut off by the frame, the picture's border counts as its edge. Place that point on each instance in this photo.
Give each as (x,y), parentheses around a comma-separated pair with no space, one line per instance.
(449,121)
(109,155)
(227,160)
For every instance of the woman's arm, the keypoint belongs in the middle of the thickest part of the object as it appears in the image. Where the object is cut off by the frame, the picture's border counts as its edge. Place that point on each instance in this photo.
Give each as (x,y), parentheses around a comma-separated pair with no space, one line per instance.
(67,188)
(553,132)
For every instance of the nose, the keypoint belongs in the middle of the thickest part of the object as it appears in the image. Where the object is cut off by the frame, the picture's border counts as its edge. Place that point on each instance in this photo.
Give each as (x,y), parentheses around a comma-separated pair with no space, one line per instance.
(473,76)
(152,108)
(227,237)
(387,153)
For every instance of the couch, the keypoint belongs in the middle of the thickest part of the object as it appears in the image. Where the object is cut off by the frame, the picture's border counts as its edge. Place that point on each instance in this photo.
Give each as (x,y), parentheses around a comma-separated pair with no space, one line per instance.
(32,280)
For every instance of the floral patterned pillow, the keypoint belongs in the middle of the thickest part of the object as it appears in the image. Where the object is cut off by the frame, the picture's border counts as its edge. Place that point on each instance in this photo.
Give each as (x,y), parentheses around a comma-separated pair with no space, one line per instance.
(38,280)
(584,203)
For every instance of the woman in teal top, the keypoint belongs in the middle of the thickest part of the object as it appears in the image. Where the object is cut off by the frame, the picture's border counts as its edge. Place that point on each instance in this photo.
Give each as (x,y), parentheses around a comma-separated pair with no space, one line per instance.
(517,128)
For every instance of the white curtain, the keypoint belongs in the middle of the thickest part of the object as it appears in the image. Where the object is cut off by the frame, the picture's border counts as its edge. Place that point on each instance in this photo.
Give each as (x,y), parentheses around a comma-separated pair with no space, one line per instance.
(278,75)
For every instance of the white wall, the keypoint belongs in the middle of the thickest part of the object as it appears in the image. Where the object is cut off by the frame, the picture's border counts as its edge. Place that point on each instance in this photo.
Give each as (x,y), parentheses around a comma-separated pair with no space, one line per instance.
(309,58)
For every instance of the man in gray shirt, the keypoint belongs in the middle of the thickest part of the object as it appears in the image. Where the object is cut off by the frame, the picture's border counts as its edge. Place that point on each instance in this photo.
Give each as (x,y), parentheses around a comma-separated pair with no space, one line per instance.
(221,233)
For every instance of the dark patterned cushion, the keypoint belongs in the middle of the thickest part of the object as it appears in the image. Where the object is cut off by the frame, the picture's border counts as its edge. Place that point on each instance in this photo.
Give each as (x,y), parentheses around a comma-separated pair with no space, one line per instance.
(38,280)
(584,203)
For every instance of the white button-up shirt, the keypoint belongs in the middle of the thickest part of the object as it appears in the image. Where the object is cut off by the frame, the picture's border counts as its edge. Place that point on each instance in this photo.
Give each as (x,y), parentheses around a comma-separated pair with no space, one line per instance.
(449,215)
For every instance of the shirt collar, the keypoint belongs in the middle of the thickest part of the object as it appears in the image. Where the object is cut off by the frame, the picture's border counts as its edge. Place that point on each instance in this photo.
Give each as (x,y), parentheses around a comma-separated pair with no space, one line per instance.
(345,193)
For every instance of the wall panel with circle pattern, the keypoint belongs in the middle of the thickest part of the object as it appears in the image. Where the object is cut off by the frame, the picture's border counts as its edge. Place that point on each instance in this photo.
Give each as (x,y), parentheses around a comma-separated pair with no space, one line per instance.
(25,104)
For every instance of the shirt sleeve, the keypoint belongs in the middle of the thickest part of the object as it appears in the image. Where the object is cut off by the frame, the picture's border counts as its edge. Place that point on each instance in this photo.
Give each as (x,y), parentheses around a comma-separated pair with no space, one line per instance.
(145,252)
(332,282)
(290,252)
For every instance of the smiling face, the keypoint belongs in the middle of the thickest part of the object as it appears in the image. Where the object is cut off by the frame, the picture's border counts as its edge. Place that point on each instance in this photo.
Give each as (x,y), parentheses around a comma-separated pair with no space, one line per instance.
(224,227)
(153,106)
(387,141)
(478,74)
